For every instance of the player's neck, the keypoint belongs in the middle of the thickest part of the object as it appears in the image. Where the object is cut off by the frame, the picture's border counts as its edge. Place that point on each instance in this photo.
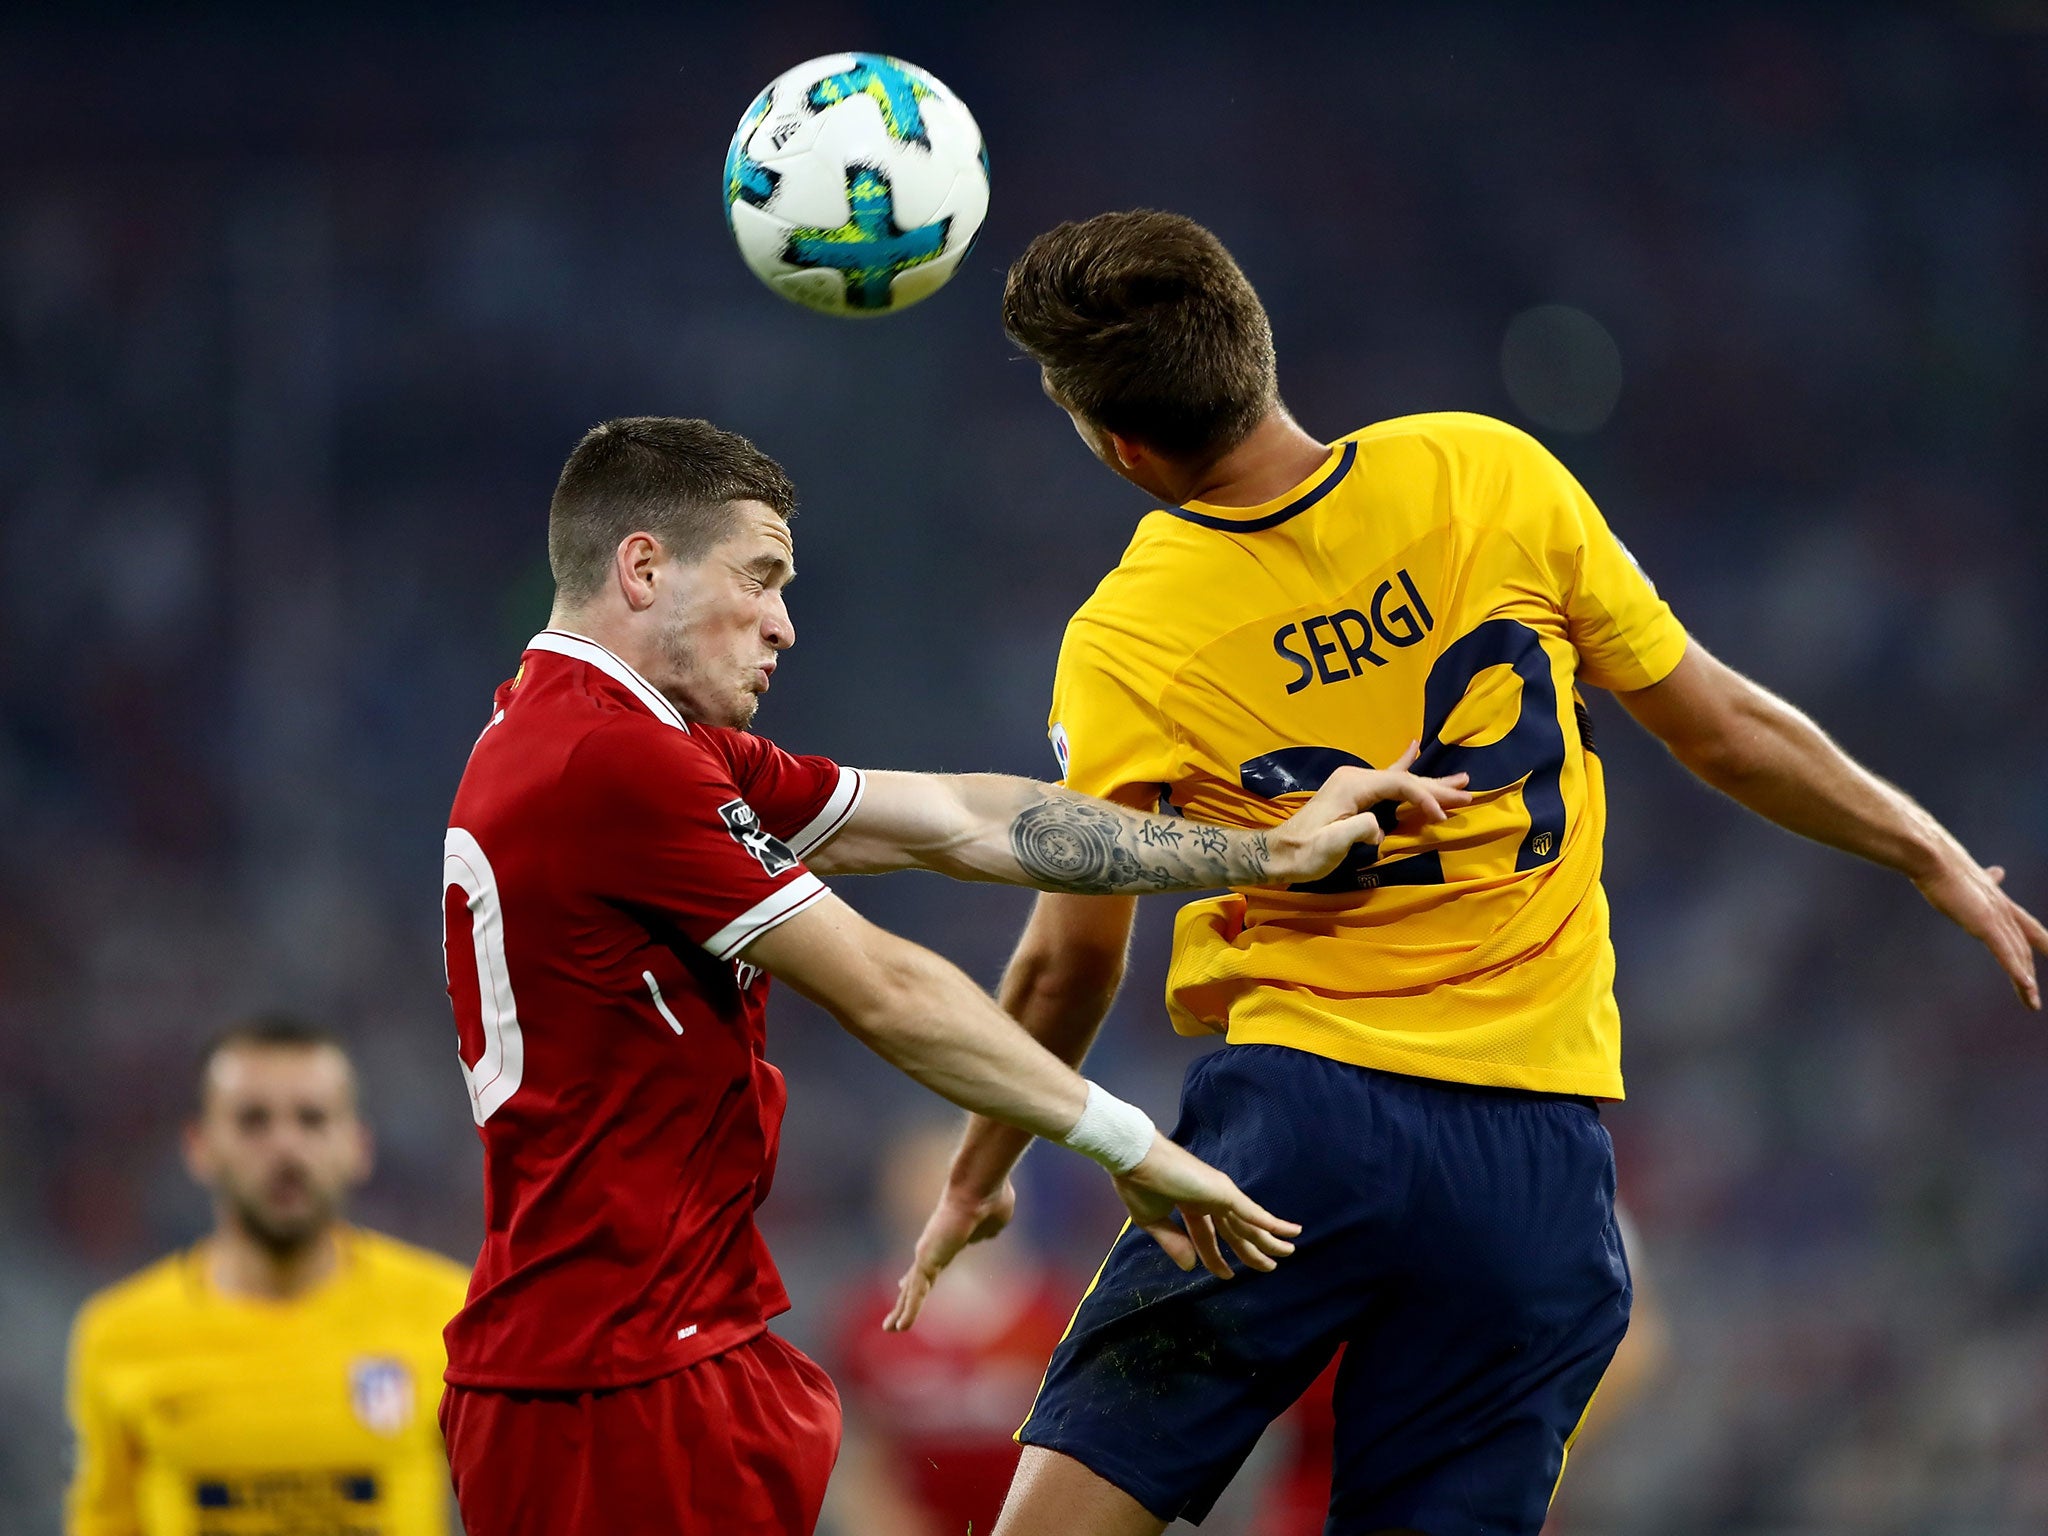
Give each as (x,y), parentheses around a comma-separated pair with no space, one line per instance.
(619,637)
(1276,458)
(237,1264)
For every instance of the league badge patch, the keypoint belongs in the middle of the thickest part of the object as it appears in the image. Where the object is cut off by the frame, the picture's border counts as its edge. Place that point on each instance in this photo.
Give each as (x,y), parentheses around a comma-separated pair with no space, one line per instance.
(747,831)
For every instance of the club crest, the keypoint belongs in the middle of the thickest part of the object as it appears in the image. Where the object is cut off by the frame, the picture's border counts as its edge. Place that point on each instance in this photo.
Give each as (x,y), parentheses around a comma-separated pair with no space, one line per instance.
(381,1392)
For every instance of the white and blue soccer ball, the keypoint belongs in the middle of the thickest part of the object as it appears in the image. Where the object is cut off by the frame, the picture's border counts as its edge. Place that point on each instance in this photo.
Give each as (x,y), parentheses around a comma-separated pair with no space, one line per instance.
(856,184)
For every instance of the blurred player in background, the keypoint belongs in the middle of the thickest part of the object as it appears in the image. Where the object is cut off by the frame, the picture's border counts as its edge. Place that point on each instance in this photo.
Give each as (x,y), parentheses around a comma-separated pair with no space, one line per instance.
(931,1413)
(625,867)
(1417,1044)
(281,1375)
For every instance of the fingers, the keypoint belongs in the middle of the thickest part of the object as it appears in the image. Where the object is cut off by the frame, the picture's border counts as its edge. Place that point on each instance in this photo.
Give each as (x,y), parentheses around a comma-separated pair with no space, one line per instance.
(2017,957)
(1201,1229)
(2008,945)
(2015,939)
(911,1291)
(1971,898)
(1362,828)
(1173,1242)
(1268,1244)
(1406,760)
(1254,1248)
(1248,1211)
(2030,925)
(1435,799)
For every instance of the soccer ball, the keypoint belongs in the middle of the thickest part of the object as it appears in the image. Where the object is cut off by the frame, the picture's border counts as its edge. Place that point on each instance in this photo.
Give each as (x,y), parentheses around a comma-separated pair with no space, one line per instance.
(856,184)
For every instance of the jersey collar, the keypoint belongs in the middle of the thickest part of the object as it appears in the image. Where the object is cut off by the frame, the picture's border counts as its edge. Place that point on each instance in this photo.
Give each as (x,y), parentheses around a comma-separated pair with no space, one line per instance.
(1270,514)
(584,649)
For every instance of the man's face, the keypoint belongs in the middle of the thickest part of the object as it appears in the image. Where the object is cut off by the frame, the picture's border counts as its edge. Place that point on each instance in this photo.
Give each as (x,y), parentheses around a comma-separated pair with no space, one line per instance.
(723,621)
(278,1141)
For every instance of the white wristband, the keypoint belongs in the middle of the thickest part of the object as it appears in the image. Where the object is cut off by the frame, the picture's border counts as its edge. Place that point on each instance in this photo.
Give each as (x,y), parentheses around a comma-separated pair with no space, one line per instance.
(1117,1135)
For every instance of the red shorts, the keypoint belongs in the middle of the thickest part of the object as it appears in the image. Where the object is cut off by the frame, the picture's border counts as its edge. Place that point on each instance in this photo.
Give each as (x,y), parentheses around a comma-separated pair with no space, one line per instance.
(737,1445)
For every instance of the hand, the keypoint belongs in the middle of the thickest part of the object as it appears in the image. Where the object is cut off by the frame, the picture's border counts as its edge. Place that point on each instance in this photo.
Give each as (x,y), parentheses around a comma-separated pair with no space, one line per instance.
(960,1218)
(1969,896)
(1172,1178)
(1315,839)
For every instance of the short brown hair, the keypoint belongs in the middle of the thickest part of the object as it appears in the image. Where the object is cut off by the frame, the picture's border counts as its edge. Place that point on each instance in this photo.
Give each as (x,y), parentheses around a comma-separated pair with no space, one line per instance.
(271,1032)
(1146,327)
(670,476)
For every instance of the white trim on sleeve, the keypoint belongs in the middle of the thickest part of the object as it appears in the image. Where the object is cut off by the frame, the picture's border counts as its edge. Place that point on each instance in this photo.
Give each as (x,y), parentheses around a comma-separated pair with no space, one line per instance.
(829,822)
(777,907)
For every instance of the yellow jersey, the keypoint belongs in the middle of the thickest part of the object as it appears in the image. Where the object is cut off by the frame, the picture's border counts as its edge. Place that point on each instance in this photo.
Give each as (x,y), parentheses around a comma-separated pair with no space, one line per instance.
(1440,579)
(203,1414)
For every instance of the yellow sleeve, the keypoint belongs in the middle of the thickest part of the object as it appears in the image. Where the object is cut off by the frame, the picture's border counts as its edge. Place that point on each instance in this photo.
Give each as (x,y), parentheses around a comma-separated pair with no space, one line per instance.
(101,1498)
(1626,635)
(1108,733)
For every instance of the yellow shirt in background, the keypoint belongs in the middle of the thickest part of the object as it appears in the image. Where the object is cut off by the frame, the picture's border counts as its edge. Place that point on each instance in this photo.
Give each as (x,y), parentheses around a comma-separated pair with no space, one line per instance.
(1440,578)
(203,1414)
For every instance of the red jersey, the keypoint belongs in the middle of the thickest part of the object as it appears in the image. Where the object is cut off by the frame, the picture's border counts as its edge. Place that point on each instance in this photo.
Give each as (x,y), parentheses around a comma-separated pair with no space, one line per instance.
(605,862)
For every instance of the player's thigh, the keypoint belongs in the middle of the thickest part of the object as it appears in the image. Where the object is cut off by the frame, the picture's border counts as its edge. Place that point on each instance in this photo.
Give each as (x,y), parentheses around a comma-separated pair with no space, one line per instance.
(757,1432)
(519,1461)
(1166,1380)
(1054,1495)
(1455,1406)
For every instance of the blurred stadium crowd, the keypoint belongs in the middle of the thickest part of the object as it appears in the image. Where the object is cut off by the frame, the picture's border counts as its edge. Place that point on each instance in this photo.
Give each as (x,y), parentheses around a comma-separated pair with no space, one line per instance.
(298,318)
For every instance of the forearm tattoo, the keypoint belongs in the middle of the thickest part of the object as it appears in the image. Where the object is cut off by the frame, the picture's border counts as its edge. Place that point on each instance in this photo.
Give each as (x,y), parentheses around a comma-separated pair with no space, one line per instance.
(1068,842)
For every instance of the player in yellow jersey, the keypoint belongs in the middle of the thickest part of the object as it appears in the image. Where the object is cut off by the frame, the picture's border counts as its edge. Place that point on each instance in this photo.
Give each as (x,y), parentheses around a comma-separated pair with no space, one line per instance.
(279,1378)
(1418,1043)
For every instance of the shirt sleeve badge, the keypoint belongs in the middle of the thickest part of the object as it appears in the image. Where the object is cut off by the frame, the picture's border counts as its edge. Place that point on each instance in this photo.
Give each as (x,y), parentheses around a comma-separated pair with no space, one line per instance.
(772,853)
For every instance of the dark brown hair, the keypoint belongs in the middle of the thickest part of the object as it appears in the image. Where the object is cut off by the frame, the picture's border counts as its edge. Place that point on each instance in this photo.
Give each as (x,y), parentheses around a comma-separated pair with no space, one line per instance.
(1146,327)
(670,476)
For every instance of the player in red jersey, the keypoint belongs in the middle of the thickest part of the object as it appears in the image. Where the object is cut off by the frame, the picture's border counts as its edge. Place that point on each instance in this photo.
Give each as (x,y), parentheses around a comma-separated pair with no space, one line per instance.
(625,866)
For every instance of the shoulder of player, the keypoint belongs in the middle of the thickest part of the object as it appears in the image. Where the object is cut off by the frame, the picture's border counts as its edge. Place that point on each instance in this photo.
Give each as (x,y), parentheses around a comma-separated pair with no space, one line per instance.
(392,1266)
(137,1303)
(1496,475)
(1466,436)
(628,749)
(1145,594)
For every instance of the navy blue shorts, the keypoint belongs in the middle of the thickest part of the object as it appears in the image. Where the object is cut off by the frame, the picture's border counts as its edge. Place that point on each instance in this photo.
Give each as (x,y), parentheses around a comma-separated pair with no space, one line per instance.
(1461,1241)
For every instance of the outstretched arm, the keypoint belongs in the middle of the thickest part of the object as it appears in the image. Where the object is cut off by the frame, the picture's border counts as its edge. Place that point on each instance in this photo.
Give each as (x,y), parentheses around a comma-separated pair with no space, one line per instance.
(1059,985)
(925,1017)
(1761,752)
(987,826)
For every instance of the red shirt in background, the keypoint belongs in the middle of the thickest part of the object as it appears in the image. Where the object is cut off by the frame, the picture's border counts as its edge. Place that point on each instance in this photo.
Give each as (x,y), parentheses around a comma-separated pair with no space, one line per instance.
(1298,1503)
(943,1400)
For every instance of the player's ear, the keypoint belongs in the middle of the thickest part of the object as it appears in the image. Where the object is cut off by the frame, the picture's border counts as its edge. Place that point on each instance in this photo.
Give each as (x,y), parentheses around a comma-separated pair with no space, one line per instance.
(1130,453)
(633,567)
(363,1161)
(198,1155)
